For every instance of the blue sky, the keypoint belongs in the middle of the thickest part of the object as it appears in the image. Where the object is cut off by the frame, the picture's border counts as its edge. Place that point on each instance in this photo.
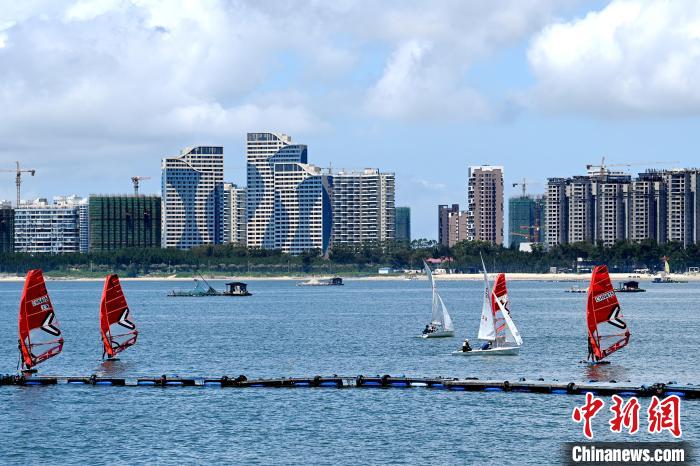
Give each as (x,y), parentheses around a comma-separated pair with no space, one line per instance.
(92,93)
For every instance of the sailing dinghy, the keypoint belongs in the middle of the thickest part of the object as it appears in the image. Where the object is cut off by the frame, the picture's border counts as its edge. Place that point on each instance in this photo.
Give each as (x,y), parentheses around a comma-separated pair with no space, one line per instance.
(40,337)
(607,332)
(117,329)
(496,328)
(441,323)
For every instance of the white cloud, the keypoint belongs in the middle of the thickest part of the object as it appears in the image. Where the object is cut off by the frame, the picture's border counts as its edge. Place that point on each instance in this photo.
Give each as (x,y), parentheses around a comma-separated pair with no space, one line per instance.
(634,57)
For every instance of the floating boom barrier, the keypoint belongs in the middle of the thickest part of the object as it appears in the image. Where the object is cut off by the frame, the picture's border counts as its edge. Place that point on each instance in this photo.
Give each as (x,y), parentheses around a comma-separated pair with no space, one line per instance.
(472,384)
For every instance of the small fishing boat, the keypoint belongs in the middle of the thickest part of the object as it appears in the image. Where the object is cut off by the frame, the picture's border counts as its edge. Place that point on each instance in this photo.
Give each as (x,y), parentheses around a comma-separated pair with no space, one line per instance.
(440,323)
(203,288)
(496,328)
(631,286)
(40,335)
(335,281)
(607,331)
(117,329)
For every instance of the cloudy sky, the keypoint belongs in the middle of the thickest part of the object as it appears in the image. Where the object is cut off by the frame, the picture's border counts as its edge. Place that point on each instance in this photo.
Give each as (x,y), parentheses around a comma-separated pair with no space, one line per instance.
(94,92)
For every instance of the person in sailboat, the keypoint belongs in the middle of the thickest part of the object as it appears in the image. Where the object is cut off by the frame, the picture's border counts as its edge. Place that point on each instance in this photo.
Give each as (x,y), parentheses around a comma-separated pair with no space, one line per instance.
(465,346)
(486,346)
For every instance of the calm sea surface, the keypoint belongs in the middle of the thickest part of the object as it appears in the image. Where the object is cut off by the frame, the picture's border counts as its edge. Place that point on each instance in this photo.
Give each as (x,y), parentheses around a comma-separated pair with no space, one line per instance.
(360,328)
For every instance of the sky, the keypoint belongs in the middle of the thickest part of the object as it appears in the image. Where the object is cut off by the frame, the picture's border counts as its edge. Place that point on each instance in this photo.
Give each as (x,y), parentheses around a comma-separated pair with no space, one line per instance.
(95,92)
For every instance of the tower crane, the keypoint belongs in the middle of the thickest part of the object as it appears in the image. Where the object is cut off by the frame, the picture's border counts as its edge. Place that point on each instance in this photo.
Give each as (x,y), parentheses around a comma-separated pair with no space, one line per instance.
(18,178)
(524,183)
(135,180)
(603,167)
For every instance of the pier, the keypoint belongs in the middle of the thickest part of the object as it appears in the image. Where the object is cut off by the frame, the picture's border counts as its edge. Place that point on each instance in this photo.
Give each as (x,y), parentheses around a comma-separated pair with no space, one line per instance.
(471,384)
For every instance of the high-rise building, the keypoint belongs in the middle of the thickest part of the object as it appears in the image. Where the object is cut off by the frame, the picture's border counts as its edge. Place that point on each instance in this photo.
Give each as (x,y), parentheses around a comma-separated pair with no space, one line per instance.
(302,208)
(363,207)
(192,189)
(579,195)
(444,212)
(526,220)
(263,151)
(610,196)
(84,225)
(46,228)
(485,203)
(124,221)
(458,224)
(556,213)
(679,206)
(234,214)
(7,227)
(646,208)
(403,224)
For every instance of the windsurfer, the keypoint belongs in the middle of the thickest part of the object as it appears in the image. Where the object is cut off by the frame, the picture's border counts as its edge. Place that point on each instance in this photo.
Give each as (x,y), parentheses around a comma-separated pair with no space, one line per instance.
(465,346)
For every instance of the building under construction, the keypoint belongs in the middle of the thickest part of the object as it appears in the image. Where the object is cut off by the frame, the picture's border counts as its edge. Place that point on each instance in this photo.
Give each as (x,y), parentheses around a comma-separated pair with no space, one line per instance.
(124,221)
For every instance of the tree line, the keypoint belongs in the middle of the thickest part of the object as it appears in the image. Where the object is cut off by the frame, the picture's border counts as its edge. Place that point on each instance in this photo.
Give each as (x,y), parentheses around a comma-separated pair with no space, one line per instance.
(365,258)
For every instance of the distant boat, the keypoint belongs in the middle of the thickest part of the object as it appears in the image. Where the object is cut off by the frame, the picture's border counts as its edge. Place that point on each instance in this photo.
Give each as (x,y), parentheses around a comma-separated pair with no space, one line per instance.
(202,289)
(576,289)
(496,326)
(663,277)
(607,332)
(631,286)
(116,325)
(40,335)
(440,323)
(335,281)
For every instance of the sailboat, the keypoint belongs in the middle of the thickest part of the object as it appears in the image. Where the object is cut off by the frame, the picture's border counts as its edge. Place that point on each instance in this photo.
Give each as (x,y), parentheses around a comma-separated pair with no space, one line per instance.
(117,329)
(607,332)
(441,323)
(496,326)
(40,336)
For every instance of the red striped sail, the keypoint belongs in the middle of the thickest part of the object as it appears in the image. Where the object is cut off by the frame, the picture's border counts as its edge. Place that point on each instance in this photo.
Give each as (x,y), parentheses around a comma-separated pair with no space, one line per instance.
(607,332)
(500,292)
(39,333)
(117,328)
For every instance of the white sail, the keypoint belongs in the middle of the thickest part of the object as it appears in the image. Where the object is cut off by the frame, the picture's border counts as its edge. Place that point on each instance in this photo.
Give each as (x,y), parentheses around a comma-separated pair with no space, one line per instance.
(446,319)
(429,273)
(487,326)
(512,333)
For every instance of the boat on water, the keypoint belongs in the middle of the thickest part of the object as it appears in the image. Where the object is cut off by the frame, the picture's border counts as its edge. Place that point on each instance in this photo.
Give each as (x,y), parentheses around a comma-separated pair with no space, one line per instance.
(203,288)
(664,276)
(631,286)
(496,327)
(116,327)
(440,325)
(576,289)
(335,281)
(607,331)
(40,335)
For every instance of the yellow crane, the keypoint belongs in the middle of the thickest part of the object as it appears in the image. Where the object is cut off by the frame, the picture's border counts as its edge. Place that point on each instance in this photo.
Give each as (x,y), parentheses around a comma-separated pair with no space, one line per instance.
(18,178)
(135,180)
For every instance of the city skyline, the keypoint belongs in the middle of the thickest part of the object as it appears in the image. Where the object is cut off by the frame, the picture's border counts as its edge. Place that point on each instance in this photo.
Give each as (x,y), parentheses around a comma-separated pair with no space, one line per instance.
(481,77)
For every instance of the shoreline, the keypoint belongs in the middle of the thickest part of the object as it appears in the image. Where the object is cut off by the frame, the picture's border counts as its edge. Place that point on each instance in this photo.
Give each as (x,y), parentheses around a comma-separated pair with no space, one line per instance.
(550,277)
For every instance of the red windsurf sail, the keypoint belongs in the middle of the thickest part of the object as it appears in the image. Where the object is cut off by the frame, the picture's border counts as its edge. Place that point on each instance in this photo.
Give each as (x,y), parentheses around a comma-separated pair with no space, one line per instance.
(117,328)
(500,292)
(607,331)
(40,337)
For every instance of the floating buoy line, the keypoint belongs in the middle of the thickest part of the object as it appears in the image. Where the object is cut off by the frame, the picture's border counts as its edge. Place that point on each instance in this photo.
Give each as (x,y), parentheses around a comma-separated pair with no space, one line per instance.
(472,384)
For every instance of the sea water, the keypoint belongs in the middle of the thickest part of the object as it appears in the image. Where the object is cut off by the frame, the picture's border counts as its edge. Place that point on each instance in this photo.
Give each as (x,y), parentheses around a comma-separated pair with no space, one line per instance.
(364,327)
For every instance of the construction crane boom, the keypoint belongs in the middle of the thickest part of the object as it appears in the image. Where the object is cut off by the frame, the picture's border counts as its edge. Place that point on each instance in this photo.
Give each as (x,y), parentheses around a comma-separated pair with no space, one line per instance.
(603,167)
(524,184)
(18,178)
(135,180)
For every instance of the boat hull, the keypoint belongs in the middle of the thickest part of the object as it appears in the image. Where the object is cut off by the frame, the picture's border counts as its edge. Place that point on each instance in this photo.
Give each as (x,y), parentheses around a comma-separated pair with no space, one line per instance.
(503,351)
(441,334)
